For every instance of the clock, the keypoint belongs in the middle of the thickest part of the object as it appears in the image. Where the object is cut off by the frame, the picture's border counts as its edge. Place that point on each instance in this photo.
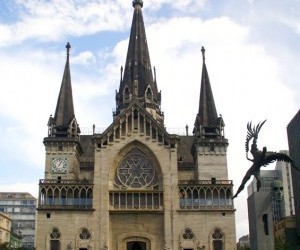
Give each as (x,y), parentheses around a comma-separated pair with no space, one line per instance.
(59,165)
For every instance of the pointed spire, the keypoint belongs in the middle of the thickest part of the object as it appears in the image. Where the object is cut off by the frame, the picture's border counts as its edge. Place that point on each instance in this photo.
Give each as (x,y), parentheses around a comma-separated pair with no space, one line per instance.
(138,83)
(68,47)
(64,117)
(203,54)
(207,120)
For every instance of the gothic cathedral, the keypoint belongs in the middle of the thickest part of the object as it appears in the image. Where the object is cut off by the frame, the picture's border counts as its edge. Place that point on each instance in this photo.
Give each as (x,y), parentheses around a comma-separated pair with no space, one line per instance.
(135,186)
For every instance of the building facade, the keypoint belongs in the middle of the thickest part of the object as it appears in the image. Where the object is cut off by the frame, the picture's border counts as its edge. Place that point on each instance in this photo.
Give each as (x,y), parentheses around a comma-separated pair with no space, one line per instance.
(293,133)
(5,226)
(285,175)
(21,208)
(243,243)
(135,186)
(261,203)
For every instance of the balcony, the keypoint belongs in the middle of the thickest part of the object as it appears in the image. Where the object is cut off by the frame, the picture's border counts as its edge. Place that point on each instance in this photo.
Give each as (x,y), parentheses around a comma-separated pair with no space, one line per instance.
(209,195)
(136,201)
(57,194)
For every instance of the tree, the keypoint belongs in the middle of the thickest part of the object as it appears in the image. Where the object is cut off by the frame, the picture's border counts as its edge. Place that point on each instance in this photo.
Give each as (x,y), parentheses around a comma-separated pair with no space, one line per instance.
(281,245)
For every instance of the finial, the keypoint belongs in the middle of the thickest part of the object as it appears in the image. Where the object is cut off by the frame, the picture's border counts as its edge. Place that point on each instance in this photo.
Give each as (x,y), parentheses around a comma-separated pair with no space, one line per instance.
(140,2)
(203,53)
(121,70)
(68,47)
(154,69)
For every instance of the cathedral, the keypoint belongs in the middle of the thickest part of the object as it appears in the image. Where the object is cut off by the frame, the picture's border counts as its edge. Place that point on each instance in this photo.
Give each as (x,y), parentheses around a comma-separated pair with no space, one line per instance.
(135,186)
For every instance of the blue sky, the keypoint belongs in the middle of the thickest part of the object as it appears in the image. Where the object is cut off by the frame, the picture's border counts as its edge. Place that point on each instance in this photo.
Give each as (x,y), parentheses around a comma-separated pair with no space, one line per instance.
(252,56)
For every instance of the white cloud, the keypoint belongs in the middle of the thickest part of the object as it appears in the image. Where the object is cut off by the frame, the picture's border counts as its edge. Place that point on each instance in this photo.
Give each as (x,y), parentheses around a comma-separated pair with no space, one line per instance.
(52,20)
(85,58)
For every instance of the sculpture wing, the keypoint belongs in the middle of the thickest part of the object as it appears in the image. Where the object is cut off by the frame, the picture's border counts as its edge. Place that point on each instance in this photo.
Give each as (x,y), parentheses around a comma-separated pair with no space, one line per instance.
(248,137)
(273,156)
(252,133)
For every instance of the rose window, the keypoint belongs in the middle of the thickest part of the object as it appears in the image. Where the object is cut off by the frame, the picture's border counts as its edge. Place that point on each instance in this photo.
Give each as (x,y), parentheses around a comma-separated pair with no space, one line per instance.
(136,170)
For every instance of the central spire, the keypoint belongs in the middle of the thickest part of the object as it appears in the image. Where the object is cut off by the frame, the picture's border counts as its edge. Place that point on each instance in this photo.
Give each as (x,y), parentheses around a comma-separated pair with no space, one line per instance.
(138,84)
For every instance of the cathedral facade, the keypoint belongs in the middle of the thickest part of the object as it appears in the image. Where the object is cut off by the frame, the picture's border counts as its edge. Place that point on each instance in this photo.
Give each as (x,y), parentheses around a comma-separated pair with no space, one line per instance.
(135,186)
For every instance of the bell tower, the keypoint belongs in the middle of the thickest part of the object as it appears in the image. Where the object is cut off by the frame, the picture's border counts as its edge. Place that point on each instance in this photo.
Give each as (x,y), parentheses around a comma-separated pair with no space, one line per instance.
(210,144)
(62,143)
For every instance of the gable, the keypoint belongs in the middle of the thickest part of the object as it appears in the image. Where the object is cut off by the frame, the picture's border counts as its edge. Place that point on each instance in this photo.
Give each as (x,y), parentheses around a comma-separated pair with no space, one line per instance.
(136,120)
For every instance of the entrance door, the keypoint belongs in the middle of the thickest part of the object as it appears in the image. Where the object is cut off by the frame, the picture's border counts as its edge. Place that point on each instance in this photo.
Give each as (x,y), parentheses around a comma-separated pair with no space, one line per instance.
(54,245)
(218,245)
(136,245)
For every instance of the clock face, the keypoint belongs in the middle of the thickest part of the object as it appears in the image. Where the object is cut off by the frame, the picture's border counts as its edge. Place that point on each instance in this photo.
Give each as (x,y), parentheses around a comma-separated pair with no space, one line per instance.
(59,165)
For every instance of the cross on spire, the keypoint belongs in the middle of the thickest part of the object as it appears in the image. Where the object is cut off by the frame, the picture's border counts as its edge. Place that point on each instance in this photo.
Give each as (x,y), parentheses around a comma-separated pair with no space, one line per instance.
(68,47)
(203,53)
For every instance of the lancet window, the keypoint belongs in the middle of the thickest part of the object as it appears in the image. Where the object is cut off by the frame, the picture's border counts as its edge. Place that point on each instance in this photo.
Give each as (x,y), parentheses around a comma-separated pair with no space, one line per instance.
(205,197)
(65,194)
(55,239)
(217,239)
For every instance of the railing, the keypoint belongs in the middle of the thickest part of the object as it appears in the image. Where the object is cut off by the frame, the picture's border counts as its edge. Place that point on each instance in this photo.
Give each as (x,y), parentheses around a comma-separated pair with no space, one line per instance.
(65,194)
(178,131)
(205,195)
(65,182)
(152,200)
(206,182)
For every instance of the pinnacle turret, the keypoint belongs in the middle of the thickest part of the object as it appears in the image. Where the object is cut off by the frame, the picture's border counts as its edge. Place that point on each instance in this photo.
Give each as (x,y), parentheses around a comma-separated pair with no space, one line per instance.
(208,124)
(64,124)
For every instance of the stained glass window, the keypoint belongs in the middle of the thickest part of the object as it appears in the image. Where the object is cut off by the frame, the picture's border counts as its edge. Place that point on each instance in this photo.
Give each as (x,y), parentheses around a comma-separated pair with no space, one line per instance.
(136,170)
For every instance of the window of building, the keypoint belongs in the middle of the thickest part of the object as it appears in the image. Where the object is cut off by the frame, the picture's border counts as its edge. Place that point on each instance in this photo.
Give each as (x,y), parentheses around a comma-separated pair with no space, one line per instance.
(136,170)
(54,242)
(85,234)
(188,234)
(217,237)
(55,234)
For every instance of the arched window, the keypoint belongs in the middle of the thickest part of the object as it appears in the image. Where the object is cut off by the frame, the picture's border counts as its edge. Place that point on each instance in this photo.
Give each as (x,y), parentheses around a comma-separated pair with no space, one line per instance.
(217,238)
(148,93)
(55,234)
(54,239)
(126,94)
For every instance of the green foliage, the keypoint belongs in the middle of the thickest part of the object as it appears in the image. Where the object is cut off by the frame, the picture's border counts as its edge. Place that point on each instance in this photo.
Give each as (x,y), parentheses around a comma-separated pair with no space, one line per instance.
(244,248)
(280,245)
(4,246)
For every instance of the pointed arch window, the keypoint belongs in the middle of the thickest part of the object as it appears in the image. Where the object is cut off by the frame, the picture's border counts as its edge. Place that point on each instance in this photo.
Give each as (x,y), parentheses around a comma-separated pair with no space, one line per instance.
(126,94)
(55,239)
(217,238)
(149,93)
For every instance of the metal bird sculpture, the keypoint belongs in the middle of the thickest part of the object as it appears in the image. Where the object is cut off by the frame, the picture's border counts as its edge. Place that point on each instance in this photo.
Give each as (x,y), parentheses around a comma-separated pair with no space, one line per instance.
(261,158)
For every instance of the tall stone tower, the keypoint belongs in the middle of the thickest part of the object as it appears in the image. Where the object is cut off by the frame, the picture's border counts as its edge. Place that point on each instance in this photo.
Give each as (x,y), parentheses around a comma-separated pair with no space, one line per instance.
(135,186)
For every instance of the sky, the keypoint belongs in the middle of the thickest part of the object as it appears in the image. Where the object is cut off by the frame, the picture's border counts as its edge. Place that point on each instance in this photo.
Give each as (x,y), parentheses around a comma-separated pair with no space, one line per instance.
(252,57)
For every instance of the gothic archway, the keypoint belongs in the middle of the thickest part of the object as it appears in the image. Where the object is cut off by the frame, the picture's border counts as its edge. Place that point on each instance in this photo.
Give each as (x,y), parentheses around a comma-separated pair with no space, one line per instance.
(136,245)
